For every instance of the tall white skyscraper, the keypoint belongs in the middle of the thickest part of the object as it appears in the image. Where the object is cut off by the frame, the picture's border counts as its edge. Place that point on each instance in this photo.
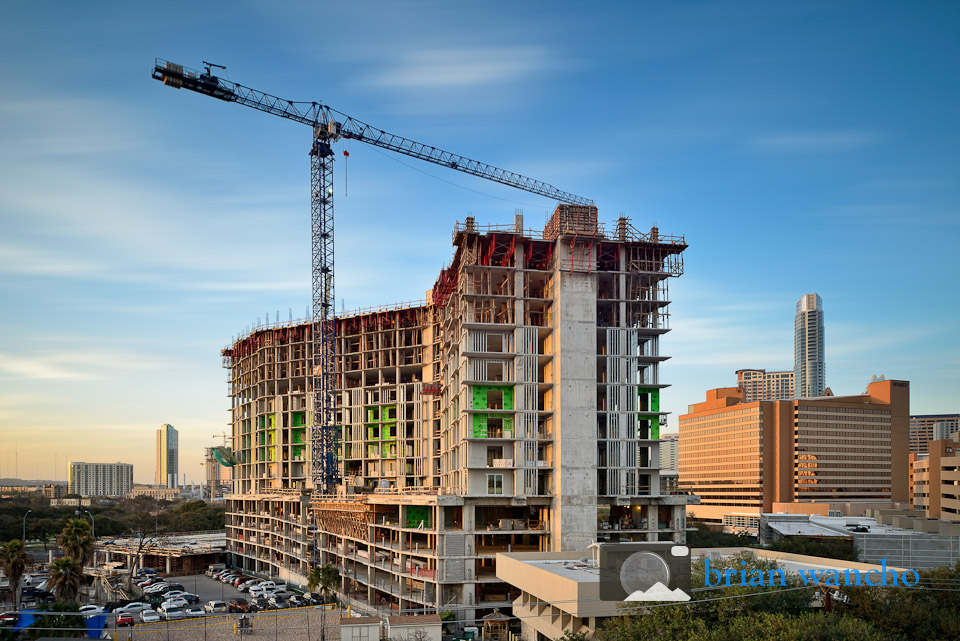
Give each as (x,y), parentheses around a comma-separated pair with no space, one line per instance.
(808,363)
(168,453)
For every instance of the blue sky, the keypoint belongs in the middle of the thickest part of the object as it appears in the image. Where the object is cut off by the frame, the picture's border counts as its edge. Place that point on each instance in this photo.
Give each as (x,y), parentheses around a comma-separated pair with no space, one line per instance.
(800,147)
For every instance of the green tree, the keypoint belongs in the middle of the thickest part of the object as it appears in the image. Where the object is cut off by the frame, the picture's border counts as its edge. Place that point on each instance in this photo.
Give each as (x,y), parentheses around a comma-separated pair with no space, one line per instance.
(931,611)
(57,622)
(66,574)
(76,541)
(324,577)
(15,560)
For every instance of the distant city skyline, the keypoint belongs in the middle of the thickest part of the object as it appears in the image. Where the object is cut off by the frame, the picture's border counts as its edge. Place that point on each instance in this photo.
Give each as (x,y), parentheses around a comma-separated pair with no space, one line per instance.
(144,228)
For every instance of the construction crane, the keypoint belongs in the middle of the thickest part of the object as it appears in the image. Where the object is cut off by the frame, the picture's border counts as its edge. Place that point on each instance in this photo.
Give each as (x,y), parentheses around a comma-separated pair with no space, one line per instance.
(329,126)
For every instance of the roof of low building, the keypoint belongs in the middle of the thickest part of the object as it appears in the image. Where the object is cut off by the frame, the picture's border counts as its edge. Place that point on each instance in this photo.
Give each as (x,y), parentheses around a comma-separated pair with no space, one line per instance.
(414,619)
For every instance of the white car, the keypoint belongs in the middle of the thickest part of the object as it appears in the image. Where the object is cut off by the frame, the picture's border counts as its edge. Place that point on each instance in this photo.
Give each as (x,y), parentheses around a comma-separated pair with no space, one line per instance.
(156,587)
(132,608)
(173,594)
(256,591)
(176,603)
(91,610)
(172,612)
(149,616)
(193,611)
(215,607)
(243,587)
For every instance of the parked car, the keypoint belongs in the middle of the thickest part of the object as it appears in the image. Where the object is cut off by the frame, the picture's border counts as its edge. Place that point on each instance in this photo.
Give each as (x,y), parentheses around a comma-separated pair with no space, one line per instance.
(176,602)
(190,598)
(174,593)
(194,611)
(238,606)
(124,619)
(298,601)
(133,608)
(276,603)
(172,612)
(256,591)
(91,610)
(215,607)
(240,579)
(258,604)
(149,616)
(9,618)
(243,587)
(171,587)
(155,587)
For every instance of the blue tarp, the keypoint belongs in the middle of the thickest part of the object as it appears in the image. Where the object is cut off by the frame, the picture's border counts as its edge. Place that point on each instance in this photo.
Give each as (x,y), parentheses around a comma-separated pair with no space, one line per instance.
(27,618)
(94,624)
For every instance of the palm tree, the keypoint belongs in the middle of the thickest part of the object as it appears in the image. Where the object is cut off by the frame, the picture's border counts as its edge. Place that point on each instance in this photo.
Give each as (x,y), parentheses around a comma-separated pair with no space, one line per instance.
(14,559)
(325,577)
(65,577)
(76,541)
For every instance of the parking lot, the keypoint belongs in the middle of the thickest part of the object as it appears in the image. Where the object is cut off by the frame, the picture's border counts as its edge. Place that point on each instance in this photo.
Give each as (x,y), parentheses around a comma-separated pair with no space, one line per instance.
(293,623)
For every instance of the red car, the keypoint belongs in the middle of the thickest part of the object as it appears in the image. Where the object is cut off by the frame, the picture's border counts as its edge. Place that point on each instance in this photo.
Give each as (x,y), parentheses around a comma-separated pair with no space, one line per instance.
(124,619)
(9,618)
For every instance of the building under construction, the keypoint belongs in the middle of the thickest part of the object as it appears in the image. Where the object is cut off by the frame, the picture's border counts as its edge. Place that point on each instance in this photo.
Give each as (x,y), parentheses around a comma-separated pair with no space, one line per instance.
(517,408)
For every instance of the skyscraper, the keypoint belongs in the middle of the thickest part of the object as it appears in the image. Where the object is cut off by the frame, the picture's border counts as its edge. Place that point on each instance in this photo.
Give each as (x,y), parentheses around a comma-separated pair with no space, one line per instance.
(167,456)
(808,362)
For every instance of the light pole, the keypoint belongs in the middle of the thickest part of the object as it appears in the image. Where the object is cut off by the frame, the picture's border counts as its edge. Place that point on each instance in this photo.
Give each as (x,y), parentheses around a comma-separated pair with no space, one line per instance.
(25,526)
(93,522)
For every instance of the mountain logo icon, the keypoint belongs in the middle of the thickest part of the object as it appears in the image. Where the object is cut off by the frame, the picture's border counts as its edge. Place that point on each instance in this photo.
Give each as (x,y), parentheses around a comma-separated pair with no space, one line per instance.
(659,592)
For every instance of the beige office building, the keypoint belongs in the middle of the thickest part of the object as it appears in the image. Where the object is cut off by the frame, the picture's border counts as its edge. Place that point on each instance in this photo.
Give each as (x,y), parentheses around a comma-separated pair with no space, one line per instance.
(100,479)
(813,455)
(936,480)
(925,428)
(761,385)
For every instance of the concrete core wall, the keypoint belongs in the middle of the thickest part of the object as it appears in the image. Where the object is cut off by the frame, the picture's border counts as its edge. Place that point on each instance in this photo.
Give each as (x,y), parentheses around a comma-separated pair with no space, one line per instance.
(575,520)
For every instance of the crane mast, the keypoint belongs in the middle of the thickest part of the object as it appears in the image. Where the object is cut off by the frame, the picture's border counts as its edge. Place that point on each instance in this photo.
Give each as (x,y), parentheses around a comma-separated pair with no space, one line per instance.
(329,126)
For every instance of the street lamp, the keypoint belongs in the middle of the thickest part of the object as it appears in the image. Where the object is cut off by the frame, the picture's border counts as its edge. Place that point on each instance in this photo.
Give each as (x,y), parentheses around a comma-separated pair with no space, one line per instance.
(93,522)
(25,526)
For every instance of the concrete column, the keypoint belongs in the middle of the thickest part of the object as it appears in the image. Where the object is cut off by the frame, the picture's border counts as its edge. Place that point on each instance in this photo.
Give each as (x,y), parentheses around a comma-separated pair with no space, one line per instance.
(575,471)
(168,565)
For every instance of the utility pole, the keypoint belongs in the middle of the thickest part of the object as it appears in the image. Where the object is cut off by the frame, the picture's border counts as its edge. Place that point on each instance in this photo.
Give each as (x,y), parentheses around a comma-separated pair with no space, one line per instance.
(25,526)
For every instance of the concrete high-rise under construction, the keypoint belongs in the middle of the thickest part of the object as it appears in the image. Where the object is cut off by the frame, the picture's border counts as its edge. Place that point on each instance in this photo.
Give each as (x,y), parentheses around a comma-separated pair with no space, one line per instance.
(516,408)
(809,370)
(168,456)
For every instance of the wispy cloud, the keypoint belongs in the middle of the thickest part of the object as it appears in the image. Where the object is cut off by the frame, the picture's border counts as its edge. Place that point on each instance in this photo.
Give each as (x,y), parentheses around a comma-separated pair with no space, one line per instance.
(457,68)
(70,365)
(814,141)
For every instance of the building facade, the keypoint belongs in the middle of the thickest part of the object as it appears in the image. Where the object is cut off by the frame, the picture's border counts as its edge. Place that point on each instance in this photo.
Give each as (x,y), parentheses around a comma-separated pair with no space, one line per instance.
(761,385)
(743,459)
(936,480)
(100,479)
(669,453)
(809,368)
(168,456)
(925,428)
(517,409)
